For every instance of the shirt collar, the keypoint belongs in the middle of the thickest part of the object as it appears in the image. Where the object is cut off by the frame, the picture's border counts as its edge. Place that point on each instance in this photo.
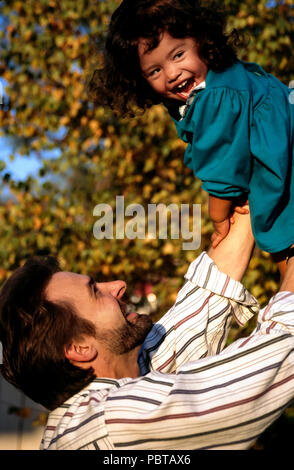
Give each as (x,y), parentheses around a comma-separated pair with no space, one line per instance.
(184,108)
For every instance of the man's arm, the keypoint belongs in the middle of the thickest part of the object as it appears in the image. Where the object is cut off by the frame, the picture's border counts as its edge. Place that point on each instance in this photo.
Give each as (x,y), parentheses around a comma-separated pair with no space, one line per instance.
(227,400)
(199,322)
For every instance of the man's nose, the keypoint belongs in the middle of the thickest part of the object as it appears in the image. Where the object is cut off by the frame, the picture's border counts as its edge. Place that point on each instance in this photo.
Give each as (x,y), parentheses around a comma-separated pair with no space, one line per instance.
(115,288)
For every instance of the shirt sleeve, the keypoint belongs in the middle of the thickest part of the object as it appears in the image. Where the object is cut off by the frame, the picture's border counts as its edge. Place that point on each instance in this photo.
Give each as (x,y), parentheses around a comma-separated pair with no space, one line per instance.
(198,324)
(219,153)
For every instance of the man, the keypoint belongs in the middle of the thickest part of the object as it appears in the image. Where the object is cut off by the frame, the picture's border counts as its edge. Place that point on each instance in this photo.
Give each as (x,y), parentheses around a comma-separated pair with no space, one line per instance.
(71,344)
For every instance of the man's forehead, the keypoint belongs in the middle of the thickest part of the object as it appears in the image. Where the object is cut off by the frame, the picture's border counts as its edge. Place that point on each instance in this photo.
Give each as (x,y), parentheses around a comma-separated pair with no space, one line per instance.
(64,282)
(69,277)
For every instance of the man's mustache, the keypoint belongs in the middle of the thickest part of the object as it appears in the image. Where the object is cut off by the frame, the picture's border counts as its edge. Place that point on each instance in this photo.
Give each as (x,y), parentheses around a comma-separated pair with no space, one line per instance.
(126,306)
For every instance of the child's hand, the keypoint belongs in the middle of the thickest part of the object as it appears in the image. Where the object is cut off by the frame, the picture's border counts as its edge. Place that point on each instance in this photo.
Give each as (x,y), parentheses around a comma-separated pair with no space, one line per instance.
(242,209)
(221,230)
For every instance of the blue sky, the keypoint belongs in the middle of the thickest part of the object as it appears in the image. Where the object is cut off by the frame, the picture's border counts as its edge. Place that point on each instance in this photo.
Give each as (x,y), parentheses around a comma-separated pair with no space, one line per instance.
(20,167)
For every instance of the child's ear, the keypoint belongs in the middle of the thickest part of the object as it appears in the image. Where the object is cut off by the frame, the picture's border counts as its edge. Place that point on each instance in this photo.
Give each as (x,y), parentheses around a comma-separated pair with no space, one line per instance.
(80,351)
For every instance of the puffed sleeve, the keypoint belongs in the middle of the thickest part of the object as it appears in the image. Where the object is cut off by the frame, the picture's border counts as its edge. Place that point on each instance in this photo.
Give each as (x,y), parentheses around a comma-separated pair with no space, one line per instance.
(219,148)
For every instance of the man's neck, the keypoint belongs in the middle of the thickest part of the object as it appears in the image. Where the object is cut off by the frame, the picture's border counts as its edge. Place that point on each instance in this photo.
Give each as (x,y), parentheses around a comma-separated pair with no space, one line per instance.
(118,367)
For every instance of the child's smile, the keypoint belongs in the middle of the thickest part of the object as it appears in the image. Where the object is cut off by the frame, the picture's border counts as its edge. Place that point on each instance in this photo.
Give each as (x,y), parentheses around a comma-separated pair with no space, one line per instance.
(173,69)
(184,89)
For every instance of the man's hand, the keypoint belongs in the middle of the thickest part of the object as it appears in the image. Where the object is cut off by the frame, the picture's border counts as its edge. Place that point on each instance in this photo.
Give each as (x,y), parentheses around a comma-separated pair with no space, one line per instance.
(233,253)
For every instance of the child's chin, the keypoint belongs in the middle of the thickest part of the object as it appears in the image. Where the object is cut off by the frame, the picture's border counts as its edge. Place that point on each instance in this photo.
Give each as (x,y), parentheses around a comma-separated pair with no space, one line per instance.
(182,97)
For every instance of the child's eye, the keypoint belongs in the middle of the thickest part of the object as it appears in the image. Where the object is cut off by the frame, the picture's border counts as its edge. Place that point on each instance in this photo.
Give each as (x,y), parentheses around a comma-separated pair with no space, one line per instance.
(178,55)
(153,72)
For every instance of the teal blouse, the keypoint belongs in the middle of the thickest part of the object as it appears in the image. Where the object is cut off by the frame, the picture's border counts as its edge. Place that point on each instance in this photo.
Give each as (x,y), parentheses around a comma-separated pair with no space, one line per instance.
(240,131)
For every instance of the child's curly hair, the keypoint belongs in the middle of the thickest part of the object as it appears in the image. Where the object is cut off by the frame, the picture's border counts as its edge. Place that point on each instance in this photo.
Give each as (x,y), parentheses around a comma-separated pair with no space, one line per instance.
(120,83)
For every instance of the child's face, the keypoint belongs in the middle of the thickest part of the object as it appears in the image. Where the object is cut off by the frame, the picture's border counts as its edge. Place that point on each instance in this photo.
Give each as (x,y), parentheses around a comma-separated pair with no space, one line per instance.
(173,68)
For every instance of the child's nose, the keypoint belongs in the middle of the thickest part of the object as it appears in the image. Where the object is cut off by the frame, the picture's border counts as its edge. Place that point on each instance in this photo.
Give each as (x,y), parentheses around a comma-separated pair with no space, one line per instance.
(172,74)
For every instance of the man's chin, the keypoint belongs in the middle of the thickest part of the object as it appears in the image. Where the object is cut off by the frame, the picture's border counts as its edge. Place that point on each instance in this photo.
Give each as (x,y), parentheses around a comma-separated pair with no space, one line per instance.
(142,324)
(130,335)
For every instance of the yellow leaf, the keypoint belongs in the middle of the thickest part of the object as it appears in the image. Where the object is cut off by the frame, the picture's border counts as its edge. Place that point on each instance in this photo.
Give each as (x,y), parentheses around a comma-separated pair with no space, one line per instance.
(57,94)
(147,188)
(168,249)
(105,269)
(64,120)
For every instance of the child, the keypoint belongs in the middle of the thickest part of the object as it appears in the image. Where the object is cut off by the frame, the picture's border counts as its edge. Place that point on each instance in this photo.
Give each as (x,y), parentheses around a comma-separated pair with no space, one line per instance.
(236,118)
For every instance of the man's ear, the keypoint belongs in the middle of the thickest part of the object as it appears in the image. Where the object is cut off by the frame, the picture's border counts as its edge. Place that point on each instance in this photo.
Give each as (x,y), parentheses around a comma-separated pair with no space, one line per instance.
(80,351)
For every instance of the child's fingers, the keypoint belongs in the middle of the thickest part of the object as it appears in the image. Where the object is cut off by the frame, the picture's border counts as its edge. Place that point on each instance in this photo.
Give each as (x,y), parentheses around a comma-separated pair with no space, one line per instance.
(241,210)
(221,229)
(215,243)
(215,240)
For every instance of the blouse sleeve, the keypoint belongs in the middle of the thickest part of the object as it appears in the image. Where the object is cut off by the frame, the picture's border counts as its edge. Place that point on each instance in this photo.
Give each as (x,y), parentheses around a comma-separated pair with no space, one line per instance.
(219,153)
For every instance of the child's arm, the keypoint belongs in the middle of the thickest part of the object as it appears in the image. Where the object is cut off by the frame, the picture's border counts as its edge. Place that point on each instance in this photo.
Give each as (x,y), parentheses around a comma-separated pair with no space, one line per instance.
(219,212)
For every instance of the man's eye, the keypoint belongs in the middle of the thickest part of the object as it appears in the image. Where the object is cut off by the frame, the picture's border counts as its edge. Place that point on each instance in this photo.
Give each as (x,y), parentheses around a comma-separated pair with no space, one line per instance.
(95,289)
(93,286)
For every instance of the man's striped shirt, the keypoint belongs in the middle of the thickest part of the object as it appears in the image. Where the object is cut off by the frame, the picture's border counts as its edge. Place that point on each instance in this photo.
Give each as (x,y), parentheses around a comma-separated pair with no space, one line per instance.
(194,393)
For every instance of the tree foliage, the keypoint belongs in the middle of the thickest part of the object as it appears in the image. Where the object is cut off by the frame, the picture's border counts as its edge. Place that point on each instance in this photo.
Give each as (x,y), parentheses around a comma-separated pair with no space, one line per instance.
(48,50)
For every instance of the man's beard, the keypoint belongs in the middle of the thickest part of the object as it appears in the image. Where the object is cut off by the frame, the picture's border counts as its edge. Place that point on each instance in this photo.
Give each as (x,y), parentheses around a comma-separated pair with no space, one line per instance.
(123,339)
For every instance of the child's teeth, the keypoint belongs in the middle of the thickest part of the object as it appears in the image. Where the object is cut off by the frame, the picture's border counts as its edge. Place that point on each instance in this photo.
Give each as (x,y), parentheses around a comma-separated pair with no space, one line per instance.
(183,84)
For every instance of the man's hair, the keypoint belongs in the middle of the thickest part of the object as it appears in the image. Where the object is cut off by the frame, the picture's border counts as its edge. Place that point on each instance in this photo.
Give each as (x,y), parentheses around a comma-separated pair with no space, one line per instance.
(119,82)
(34,332)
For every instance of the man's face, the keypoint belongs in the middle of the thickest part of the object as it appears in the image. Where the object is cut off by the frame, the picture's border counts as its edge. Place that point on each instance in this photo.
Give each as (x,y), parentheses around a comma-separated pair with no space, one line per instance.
(117,330)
